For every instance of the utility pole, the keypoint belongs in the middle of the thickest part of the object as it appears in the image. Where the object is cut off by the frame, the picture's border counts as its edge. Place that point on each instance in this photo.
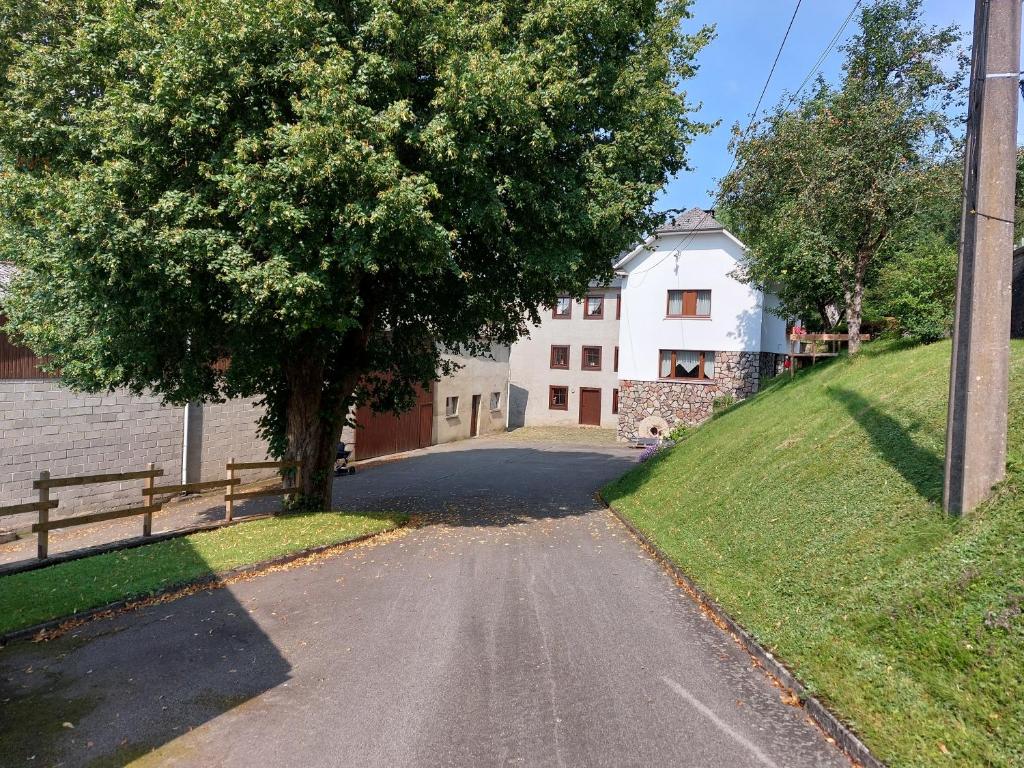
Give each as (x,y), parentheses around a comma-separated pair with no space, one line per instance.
(979,378)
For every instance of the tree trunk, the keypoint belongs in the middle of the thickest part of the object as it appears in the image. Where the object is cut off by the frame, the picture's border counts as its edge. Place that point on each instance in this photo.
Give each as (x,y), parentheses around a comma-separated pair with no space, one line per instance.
(855,302)
(314,420)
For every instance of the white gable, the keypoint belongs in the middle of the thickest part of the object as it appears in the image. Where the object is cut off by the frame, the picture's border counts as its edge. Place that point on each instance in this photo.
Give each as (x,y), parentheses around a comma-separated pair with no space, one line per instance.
(695,261)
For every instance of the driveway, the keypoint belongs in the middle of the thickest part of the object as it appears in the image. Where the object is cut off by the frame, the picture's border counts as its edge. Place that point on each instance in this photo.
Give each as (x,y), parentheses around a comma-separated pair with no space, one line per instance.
(521,625)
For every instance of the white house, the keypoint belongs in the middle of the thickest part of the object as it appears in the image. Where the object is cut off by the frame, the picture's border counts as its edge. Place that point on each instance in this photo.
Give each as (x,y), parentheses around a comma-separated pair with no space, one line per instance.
(565,372)
(689,330)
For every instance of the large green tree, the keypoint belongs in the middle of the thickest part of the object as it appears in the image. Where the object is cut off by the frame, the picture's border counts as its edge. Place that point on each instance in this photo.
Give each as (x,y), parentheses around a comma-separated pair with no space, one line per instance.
(821,185)
(307,200)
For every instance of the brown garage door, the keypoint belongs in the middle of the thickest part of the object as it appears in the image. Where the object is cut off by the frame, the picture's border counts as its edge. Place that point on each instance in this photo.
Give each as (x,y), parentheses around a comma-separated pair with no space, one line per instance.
(380,434)
(590,406)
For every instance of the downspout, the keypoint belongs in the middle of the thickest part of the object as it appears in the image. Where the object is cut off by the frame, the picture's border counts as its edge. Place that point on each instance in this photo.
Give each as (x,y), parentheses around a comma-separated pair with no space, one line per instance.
(508,389)
(184,445)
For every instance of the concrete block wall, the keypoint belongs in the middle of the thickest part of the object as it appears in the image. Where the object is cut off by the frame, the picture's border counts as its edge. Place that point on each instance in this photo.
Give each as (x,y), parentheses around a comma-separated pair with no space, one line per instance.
(45,426)
(220,431)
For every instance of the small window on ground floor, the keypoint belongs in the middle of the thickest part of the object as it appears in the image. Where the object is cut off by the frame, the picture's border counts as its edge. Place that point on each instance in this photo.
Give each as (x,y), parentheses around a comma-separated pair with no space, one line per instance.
(451,406)
(558,398)
(615,401)
(686,364)
(495,401)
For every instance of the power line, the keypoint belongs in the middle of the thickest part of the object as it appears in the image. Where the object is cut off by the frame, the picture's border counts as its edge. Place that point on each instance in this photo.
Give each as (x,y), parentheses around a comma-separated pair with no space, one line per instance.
(817,65)
(825,53)
(753,117)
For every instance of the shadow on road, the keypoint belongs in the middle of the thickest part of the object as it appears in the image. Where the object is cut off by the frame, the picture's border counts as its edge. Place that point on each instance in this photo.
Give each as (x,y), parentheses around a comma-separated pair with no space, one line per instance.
(485,486)
(118,688)
(115,689)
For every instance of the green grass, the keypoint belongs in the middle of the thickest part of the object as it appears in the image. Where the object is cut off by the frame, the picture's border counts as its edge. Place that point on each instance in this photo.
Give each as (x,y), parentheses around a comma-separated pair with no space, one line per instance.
(62,590)
(812,514)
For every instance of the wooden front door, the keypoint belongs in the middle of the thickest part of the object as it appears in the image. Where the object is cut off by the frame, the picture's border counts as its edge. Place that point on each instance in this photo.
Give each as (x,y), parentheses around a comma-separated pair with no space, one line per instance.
(474,417)
(590,406)
(426,425)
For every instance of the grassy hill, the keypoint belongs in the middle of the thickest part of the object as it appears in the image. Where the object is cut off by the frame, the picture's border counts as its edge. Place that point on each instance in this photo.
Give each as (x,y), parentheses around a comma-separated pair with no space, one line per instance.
(812,514)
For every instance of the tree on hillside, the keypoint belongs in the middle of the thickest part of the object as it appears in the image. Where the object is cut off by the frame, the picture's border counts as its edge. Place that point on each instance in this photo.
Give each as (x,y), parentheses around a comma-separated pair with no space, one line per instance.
(820,187)
(309,200)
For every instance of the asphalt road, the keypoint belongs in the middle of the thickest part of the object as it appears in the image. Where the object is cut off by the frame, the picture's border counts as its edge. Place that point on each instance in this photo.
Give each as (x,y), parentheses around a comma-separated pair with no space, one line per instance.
(521,626)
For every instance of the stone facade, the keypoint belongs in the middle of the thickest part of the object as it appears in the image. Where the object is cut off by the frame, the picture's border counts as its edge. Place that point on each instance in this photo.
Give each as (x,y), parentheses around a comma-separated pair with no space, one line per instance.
(647,408)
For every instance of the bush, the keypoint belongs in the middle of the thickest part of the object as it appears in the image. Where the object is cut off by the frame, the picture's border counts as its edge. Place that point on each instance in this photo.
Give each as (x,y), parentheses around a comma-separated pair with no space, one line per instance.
(679,432)
(916,291)
(721,404)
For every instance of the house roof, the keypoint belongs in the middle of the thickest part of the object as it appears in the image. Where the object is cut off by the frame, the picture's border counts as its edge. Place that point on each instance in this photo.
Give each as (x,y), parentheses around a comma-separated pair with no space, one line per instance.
(693,220)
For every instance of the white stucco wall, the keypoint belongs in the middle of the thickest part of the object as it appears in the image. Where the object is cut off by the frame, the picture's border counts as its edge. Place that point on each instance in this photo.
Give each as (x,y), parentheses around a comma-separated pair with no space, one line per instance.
(532,375)
(773,328)
(703,261)
(477,376)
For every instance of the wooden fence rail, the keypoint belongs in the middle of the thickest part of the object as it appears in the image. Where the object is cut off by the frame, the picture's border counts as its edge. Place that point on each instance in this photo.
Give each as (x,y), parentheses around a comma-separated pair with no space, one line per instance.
(150,491)
(231,495)
(44,524)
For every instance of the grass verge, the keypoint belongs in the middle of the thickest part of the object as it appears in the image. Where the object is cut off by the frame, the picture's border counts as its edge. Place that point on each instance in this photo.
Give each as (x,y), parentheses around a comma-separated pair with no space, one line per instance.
(811,513)
(33,597)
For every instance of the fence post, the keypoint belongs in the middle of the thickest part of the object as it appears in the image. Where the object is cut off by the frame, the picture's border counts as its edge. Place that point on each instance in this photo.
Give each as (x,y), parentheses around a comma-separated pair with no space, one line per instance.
(44,515)
(147,518)
(229,502)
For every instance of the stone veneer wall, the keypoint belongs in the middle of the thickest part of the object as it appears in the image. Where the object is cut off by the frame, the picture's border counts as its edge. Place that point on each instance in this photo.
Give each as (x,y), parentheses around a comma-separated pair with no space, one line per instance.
(664,404)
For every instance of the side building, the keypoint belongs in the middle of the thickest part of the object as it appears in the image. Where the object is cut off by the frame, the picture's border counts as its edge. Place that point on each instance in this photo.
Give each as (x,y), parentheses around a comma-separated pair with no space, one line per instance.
(690,332)
(565,372)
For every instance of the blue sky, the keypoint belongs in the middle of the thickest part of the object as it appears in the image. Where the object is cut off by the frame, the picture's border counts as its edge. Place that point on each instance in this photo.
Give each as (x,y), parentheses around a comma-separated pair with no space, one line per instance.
(734,66)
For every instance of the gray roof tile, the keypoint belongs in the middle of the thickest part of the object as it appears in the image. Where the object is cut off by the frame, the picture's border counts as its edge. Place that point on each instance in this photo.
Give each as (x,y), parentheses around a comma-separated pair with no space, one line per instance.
(693,220)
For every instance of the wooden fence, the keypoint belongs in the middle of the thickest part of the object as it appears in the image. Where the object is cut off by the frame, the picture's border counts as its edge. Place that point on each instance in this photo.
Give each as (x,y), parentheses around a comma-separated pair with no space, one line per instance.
(150,491)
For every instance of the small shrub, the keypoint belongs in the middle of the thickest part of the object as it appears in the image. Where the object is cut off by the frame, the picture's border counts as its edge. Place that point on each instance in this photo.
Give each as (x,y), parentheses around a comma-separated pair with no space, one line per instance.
(679,433)
(722,403)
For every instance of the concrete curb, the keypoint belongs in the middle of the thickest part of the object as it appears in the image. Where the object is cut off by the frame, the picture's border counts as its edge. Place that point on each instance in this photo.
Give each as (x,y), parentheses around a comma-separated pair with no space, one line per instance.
(828,722)
(213,580)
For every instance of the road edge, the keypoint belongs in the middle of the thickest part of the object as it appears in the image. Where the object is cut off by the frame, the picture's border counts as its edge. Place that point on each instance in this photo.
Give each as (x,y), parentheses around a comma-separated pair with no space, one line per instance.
(832,726)
(211,581)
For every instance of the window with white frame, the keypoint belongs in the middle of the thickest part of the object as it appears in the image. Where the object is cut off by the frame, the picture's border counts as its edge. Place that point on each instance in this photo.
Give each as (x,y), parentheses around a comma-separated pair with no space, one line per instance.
(495,401)
(686,364)
(451,406)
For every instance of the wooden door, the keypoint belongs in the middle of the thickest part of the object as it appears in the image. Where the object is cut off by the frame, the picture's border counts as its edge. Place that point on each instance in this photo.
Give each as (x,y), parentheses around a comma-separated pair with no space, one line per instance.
(426,425)
(380,434)
(590,406)
(474,417)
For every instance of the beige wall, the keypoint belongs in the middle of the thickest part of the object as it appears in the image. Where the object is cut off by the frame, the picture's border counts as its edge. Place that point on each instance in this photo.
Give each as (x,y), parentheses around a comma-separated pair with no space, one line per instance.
(532,374)
(477,376)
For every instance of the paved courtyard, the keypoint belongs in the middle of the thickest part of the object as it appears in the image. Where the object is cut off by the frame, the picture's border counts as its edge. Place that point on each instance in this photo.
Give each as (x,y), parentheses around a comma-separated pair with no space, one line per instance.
(520,625)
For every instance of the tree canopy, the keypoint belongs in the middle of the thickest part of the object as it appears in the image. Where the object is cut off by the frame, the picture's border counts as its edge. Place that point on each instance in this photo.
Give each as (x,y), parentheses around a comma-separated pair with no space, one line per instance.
(308,200)
(822,184)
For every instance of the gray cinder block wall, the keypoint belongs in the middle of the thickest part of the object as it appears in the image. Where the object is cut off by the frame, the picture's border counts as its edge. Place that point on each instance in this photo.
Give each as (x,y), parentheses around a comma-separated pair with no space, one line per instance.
(46,426)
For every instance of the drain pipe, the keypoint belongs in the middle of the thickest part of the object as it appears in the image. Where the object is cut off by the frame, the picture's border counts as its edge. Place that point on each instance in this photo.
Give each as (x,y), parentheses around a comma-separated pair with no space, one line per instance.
(184,444)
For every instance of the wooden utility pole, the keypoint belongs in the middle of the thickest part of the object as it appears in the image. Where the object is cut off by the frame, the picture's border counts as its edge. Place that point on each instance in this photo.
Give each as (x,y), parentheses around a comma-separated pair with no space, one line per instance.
(979,379)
